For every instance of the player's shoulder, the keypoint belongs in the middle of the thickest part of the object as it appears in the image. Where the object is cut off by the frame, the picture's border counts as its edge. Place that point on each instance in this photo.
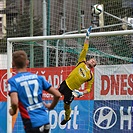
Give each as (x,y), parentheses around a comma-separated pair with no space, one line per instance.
(13,77)
(41,78)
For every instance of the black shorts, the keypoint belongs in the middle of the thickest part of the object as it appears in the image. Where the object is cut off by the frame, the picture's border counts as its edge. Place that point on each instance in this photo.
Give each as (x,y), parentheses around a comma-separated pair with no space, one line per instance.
(29,129)
(64,90)
(41,129)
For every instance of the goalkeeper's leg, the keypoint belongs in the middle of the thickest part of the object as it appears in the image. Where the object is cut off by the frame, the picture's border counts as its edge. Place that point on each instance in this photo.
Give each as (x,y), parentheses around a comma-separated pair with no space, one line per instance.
(68,98)
(67,109)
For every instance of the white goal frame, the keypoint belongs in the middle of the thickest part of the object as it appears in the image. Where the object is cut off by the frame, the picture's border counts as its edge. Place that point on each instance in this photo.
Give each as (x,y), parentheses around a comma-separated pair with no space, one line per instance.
(53,37)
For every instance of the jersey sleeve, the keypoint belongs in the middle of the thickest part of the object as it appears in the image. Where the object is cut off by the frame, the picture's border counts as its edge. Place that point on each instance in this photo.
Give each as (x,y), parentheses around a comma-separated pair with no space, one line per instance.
(83,53)
(12,86)
(89,84)
(46,84)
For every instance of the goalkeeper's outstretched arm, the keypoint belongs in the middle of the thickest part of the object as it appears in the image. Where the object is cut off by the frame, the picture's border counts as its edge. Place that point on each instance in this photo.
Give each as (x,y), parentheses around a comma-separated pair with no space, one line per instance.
(83,53)
(87,35)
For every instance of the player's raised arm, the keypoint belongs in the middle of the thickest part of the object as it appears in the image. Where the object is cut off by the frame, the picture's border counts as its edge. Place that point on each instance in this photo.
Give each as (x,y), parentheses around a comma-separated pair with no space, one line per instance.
(84,51)
(88,35)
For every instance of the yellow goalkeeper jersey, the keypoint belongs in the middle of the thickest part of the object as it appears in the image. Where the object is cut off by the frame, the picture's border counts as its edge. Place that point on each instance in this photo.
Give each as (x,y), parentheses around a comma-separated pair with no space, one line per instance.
(81,73)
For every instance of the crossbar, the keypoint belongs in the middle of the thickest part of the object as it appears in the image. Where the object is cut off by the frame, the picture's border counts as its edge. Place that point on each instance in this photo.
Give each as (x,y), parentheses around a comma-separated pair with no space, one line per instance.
(70,36)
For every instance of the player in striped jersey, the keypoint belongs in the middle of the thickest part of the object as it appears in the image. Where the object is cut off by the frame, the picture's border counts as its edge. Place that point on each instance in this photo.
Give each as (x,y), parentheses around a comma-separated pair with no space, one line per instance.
(81,74)
(25,91)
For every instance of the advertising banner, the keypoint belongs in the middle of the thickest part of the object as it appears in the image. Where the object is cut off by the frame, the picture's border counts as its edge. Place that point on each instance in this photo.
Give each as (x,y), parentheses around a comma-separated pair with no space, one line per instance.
(113,82)
(113,116)
(3,117)
(81,118)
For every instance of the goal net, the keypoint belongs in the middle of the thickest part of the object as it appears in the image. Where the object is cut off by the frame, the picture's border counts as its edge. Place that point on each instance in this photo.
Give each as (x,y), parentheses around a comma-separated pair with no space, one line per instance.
(54,57)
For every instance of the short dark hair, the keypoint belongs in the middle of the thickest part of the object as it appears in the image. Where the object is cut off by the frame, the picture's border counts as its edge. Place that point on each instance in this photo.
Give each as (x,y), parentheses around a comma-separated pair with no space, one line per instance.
(19,59)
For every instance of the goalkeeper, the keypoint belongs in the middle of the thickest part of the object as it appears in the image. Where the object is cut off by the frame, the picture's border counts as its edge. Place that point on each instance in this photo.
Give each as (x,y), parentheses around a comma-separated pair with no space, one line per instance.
(81,74)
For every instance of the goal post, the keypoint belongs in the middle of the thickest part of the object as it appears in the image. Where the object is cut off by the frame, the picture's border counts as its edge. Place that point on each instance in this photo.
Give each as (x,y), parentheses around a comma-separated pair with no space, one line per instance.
(9,74)
(97,48)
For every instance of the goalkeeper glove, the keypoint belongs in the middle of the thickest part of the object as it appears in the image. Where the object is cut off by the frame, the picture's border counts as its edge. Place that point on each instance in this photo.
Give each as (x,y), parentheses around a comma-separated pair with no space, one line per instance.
(88,32)
(77,93)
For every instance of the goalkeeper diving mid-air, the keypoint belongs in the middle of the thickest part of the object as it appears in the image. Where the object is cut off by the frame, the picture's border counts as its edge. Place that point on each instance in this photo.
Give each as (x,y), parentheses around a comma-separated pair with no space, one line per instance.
(81,73)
